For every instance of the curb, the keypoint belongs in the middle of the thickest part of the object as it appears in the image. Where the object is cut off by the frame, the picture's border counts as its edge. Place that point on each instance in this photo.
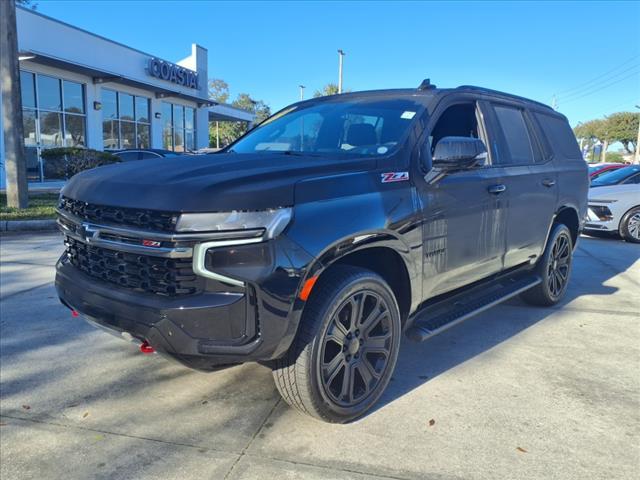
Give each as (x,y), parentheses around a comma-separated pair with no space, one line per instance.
(27,225)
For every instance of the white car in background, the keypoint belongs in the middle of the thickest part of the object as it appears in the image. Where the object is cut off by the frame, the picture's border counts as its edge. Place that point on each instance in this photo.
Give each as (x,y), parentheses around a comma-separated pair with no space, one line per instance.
(615,209)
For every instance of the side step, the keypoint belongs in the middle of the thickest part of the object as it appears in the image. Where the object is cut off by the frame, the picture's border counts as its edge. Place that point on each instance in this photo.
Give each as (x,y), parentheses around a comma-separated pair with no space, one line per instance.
(441,315)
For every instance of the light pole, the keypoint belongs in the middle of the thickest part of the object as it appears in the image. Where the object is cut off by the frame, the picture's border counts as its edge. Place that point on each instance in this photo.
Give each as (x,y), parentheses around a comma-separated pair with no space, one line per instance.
(637,159)
(302,87)
(340,56)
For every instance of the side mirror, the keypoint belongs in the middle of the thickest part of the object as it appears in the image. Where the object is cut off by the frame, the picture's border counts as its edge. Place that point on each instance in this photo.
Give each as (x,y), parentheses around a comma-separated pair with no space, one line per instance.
(458,153)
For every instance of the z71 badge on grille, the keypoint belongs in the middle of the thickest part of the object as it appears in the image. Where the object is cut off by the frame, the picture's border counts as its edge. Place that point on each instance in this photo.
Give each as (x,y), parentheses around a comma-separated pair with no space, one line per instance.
(394,177)
(150,243)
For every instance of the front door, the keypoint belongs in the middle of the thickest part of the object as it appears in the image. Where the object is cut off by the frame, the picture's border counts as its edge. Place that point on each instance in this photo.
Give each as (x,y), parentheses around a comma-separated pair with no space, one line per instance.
(464,237)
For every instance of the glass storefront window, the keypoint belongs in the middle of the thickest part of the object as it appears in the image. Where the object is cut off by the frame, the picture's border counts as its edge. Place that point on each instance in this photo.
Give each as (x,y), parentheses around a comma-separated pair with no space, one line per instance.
(53,116)
(143,138)
(28,89)
(188,118)
(178,117)
(110,134)
(29,127)
(50,129)
(178,141)
(142,109)
(189,140)
(49,97)
(127,135)
(109,104)
(74,134)
(178,127)
(73,97)
(126,106)
(126,120)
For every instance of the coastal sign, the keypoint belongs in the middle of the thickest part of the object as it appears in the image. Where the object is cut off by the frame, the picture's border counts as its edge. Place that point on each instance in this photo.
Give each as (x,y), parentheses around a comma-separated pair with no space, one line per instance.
(172,73)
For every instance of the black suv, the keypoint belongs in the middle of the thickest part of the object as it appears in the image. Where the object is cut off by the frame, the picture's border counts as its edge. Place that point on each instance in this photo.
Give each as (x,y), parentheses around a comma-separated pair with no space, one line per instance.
(313,242)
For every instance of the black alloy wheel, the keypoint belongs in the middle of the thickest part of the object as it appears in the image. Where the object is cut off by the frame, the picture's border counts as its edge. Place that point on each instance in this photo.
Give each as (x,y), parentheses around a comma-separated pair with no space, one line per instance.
(356,348)
(559,266)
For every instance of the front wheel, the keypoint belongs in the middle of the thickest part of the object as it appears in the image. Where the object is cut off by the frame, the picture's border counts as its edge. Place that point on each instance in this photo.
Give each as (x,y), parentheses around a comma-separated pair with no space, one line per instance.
(346,348)
(554,268)
(630,226)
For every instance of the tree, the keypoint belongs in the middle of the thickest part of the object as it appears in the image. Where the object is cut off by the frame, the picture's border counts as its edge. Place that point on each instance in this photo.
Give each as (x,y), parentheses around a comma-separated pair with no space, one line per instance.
(27,3)
(618,127)
(328,89)
(15,162)
(623,128)
(218,90)
(230,131)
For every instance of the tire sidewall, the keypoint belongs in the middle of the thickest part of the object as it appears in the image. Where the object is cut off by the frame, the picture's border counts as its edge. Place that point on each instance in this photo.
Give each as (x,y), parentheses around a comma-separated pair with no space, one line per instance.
(365,281)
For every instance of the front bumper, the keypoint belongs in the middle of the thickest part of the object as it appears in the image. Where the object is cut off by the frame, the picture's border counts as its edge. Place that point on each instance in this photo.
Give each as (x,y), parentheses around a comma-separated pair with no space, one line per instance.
(214,328)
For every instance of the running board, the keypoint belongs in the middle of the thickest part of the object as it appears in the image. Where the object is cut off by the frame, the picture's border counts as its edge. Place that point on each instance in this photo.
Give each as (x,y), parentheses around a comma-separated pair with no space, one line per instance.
(444,314)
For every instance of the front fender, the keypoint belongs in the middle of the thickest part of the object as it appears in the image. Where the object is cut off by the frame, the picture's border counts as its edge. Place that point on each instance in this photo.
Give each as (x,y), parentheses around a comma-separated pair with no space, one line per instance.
(330,229)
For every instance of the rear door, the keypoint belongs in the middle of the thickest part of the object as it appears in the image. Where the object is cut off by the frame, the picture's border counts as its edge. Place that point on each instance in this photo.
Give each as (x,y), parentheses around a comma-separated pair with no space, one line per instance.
(531,184)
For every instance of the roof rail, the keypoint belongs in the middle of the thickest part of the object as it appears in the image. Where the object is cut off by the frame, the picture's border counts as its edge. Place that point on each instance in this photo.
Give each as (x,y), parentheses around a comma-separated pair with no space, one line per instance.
(426,85)
(497,92)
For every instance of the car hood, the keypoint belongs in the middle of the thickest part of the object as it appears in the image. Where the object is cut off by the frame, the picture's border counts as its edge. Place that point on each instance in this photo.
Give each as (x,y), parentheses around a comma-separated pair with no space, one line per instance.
(612,192)
(200,183)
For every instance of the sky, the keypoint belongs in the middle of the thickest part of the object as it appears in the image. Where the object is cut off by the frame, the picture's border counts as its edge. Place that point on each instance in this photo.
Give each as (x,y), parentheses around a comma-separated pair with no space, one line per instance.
(585,53)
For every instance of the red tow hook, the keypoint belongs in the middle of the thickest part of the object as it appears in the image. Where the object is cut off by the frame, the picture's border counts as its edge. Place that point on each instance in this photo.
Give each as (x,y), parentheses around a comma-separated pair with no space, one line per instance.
(74,314)
(146,348)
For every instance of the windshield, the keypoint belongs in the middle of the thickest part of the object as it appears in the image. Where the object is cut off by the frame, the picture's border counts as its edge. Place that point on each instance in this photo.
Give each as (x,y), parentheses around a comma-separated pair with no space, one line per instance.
(356,127)
(614,177)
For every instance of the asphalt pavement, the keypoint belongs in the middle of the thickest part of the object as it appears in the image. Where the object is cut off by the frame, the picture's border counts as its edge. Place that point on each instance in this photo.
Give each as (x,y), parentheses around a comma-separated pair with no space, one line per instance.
(514,393)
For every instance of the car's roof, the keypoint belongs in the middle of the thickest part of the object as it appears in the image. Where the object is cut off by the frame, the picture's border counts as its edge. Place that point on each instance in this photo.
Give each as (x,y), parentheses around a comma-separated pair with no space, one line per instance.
(426,95)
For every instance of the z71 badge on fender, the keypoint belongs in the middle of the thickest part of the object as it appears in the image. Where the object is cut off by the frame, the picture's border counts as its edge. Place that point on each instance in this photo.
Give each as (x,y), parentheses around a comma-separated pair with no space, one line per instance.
(394,177)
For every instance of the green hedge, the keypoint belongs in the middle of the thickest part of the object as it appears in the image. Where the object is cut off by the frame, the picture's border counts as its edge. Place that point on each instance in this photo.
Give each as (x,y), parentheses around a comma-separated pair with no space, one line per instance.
(67,161)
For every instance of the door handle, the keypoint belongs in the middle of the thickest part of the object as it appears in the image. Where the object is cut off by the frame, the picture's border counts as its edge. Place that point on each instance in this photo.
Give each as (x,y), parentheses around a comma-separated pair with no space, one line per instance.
(496,189)
(548,182)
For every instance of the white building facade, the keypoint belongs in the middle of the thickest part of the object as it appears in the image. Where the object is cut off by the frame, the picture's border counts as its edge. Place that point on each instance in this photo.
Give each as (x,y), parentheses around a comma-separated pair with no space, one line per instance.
(81,89)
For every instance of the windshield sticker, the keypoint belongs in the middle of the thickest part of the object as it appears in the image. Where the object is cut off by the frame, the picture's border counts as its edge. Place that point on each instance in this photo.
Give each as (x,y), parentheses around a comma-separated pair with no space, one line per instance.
(408,115)
(390,177)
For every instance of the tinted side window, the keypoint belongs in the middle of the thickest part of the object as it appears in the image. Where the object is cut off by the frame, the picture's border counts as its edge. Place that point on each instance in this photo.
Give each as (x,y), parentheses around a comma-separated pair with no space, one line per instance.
(144,155)
(516,134)
(128,156)
(632,180)
(559,135)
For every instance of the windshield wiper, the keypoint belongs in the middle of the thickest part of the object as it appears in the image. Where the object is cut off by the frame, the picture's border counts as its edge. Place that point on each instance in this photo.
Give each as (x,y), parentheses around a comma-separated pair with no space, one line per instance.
(298,153)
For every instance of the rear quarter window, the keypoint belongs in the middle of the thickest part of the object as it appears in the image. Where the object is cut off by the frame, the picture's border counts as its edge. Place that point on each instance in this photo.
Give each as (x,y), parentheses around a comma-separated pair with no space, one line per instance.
(559,136)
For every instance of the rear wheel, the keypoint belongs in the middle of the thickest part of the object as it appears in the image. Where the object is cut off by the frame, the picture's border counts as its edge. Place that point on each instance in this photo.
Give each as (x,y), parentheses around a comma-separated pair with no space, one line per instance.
(554,268)
(346,348)
(630,226)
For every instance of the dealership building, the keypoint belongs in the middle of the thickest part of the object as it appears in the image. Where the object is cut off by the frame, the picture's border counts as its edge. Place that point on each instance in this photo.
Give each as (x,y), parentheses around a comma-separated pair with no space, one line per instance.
(81,89)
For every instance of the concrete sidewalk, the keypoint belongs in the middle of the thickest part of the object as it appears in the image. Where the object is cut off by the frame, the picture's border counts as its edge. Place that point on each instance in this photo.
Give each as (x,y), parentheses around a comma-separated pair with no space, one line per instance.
(517,392)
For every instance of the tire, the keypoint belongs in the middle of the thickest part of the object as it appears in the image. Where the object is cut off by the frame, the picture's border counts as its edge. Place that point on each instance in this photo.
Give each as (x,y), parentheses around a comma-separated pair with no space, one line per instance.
(630,226)
(330,349)
(554,268)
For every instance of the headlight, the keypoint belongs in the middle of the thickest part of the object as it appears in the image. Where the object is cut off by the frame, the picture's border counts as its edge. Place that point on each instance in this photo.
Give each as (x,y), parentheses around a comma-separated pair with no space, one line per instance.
(273,221)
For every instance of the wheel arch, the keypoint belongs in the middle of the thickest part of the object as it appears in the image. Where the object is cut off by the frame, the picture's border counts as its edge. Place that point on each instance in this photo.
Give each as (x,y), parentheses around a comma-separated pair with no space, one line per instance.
(385,258)
(568,216)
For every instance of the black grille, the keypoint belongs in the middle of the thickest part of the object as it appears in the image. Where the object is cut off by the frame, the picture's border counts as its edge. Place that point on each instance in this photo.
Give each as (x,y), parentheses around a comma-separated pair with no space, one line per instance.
(143,219)
(145,273)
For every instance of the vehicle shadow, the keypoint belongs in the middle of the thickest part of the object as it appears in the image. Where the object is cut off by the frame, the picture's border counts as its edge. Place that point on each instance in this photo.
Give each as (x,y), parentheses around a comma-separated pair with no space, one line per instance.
(418,363)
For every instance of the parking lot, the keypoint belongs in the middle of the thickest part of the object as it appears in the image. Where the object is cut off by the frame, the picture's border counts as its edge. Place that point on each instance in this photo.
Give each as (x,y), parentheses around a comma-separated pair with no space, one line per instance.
(517,392)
